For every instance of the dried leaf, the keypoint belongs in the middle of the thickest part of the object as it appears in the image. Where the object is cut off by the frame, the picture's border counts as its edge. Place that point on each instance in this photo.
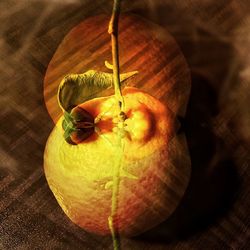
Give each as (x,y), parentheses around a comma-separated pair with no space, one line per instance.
(78,88)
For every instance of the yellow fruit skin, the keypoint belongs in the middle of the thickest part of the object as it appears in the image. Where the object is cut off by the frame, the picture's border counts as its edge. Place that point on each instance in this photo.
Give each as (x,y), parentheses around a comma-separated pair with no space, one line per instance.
(154,173)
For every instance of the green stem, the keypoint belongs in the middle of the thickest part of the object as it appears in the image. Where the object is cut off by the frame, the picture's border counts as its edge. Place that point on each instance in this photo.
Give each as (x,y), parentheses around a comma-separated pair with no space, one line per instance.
(113,31)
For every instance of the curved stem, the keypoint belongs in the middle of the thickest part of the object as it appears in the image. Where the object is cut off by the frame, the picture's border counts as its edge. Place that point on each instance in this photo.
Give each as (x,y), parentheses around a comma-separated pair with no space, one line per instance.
(113,31)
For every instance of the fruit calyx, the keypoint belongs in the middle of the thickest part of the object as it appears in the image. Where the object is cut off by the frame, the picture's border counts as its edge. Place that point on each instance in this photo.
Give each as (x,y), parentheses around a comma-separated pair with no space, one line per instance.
(140,124)
(78,125)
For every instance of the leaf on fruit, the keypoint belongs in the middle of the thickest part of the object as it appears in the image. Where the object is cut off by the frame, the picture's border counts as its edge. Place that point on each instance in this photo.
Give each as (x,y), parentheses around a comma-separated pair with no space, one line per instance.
(78,88)
(68,133)
(68,117)
(68,125)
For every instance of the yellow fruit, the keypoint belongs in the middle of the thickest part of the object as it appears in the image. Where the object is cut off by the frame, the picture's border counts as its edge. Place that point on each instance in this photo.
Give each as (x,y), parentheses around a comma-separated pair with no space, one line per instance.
(154,170)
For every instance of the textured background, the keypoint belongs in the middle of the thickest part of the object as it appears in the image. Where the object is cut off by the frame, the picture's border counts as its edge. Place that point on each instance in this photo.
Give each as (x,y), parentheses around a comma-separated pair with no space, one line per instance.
(214,36)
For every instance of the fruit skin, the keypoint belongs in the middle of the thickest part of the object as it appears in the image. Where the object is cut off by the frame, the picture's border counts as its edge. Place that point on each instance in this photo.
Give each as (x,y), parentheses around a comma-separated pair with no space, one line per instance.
(154,174)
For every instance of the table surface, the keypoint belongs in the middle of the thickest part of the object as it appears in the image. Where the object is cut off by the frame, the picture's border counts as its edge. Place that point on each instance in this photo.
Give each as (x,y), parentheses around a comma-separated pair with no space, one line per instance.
(214,38)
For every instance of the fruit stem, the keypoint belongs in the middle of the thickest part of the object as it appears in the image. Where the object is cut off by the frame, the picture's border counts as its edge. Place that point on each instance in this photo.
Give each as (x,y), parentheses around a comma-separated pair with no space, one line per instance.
(113,31)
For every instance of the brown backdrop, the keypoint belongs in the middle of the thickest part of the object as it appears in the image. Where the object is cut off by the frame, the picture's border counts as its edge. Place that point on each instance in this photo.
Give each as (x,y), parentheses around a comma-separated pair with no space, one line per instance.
(214,37)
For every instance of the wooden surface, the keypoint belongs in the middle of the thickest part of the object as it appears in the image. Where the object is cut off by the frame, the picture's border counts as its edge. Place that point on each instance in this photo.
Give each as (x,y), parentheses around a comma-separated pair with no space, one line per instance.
(163,71)
(214,37)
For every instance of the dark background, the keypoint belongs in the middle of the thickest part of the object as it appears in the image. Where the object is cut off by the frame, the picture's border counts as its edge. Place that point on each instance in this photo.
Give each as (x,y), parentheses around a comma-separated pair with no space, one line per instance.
(214,37)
